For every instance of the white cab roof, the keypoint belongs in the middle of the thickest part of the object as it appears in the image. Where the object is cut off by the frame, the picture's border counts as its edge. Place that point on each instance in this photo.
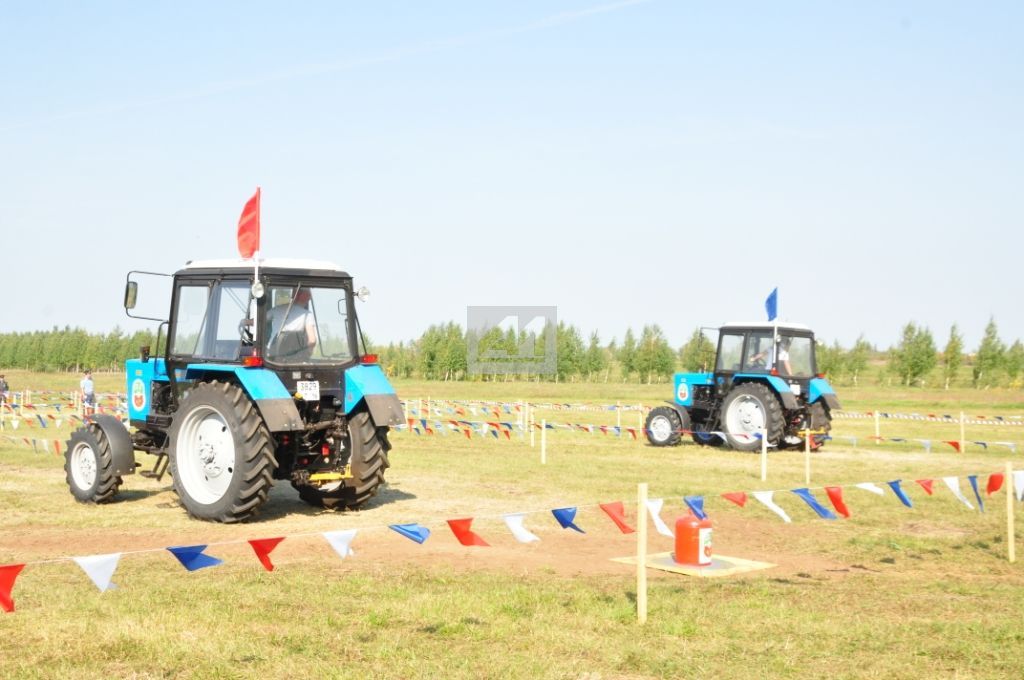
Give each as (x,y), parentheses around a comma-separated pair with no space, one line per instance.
(271,263)
(767,325)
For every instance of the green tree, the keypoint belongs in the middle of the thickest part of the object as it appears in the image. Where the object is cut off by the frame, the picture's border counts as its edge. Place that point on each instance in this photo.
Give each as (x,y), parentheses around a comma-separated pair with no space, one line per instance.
(654,356)
(952,356)
(831,360)
(857,358)
(698,354)
(570,351)
(594,359)
(915,356)
(1013,363)
(627,354)
(989,359)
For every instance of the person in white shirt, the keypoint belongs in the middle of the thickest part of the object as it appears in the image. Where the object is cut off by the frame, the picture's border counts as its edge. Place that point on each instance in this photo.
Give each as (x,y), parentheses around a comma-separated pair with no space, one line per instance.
(293,332)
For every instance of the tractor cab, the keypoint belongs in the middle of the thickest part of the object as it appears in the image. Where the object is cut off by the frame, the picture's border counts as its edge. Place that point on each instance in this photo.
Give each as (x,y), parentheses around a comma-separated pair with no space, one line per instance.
(785,351)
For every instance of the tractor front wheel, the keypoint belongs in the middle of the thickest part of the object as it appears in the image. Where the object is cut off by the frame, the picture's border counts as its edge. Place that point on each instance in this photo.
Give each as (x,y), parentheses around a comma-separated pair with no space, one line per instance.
(222,456)
(664,426)
(89,466)
(368,458)
(750,410)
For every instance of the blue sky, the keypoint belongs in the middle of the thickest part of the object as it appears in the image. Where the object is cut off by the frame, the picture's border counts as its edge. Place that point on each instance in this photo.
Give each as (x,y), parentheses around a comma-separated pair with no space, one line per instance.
(628,162)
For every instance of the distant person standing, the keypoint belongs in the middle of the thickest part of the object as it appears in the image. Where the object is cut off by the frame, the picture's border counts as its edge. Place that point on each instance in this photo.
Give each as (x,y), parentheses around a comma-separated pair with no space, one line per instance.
(88,393)
(4,389)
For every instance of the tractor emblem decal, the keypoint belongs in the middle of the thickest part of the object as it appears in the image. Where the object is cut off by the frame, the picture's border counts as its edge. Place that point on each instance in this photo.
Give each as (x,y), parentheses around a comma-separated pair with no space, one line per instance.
(683,391)
(138,394)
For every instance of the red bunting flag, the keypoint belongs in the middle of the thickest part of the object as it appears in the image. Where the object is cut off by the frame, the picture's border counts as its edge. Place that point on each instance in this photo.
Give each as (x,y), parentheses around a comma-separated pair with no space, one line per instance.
(466,432)
(461,529)
(263,547)
(835,494)
(955,445)
(737,497)
(617,512)
(995,483)
(926,484)
(7,575)
(249,227)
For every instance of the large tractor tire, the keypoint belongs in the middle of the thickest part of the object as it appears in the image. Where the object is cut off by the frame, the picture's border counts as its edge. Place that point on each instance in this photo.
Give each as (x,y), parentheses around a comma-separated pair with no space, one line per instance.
(664,425)
(89,466)
(221,454)
(749,409)
(369,448)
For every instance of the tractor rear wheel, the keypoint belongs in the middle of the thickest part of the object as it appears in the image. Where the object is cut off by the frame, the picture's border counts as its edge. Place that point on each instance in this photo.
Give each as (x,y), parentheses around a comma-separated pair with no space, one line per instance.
(368,457)
(664,425)
(221,454)
(749,410)
(89,466)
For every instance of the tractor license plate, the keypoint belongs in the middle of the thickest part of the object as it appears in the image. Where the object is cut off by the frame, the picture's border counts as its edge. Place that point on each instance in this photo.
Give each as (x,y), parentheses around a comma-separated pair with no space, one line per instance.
(309,389)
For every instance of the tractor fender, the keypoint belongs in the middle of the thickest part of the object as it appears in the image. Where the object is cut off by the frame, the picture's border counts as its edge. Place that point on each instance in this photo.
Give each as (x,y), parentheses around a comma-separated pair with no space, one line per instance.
(367,383)
(819,388)
(122,451)
(681,410)
(780,387)
(266,390)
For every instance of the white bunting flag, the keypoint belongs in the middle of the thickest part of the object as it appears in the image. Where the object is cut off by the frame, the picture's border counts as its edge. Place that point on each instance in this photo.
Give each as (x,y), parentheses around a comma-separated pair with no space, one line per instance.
(870,486)
(514,522)
(766,498)
(954,485)
(654,507)
(100,568)
(341,541)
(1018,483)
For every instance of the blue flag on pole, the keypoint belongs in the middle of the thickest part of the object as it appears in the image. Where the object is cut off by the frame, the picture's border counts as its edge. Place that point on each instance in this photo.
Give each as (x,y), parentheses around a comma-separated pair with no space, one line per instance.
(771,304)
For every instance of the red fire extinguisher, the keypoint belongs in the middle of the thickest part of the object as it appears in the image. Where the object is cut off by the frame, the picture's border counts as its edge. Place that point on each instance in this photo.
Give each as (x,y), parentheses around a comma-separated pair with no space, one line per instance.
(693,541)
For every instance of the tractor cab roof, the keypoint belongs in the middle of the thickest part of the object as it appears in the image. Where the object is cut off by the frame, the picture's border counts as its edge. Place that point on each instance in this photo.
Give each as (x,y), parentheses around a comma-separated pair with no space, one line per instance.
(763,326)
(270,266)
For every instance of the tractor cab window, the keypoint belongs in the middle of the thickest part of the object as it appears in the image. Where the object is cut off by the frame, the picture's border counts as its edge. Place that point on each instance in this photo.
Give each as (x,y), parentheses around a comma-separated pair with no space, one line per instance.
(730,352)
(796,356)
(307,325)
(760,351)
(210,320)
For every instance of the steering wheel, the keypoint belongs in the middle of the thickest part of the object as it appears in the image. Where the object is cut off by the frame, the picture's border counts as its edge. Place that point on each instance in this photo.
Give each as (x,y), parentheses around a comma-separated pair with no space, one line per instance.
(244,331)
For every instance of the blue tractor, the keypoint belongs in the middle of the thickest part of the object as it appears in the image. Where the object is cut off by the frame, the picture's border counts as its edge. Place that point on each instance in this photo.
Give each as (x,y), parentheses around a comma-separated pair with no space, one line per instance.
(765,380)
(262,376)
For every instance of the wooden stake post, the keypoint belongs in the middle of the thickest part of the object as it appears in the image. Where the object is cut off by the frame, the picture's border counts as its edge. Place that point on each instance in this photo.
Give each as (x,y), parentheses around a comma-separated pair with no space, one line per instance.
(807,457)
(764,455)
(641,554)
(543,442)
(1011,548)
(963,444)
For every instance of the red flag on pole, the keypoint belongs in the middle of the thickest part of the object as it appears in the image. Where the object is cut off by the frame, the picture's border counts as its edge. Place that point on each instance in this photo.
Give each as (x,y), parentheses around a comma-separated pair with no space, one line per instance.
(249,227)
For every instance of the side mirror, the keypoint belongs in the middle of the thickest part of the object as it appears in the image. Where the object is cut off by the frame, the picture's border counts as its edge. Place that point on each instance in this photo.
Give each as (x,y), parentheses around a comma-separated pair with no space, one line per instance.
(131,294)
(363,293)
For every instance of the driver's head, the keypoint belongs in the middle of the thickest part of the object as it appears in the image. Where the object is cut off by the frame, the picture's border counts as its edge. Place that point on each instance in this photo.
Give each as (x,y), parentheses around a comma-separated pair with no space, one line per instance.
(302,296)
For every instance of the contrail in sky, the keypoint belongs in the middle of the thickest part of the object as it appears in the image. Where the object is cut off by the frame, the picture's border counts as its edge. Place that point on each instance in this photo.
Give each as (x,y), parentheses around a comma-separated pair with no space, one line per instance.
(308,70)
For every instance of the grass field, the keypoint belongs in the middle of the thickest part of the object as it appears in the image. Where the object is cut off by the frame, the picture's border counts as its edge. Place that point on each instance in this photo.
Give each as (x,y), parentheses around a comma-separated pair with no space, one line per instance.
(890,592)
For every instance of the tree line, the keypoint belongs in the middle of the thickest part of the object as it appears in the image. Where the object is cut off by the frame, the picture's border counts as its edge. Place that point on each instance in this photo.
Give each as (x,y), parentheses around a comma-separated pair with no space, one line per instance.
(442,352)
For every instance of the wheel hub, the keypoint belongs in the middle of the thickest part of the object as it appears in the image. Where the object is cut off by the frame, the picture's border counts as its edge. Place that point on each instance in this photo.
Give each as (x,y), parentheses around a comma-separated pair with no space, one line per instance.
(661,428)
(83,466)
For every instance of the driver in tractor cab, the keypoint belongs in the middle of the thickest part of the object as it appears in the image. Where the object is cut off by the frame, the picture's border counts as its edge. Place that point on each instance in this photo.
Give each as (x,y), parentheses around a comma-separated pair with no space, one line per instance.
(293,333)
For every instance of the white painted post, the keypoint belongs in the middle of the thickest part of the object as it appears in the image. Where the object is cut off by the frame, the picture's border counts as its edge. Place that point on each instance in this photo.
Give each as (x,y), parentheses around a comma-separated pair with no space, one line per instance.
(807,456)
(963,442)
(764,455)
(1011,548)
(543,442)
(618,414)
(428,408)
(532,428)
(641,553)
(878,430)
(640,434)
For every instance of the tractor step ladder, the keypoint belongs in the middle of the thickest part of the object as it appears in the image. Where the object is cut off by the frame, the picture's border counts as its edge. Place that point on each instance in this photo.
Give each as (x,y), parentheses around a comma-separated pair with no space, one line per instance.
(159,468)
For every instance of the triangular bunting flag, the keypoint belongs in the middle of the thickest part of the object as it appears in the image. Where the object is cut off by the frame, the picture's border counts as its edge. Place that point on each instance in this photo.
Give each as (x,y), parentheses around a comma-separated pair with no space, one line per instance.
(412,531)
(926,484)
(193,558)
(341,541)
(809,498)
(617,513)
(8,573)
(514,522)
(100,569)
(954,485)
(654,507)
(696,505)
(973,479)
(1018,484)
(872,487)
(737,497)
(898,490)
(462,531)
(995,483)
(565,517)
(954,444)
(263,547)
(765,497)
(835,494)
